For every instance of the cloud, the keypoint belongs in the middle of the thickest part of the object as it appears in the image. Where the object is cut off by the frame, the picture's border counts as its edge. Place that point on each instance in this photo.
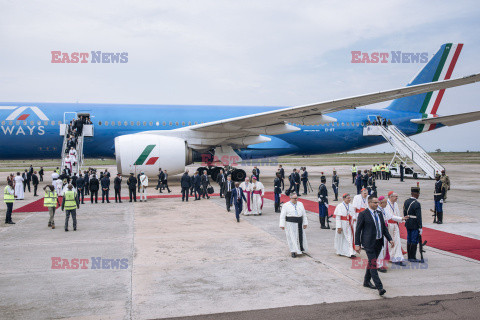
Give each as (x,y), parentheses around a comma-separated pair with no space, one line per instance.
(227,52)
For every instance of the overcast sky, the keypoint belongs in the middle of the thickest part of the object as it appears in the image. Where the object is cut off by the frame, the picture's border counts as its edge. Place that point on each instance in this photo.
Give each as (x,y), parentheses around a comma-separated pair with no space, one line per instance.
(235,53)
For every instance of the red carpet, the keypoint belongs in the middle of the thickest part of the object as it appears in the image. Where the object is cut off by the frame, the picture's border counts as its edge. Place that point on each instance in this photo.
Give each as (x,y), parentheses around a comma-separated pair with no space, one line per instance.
(37,206)
(463,246)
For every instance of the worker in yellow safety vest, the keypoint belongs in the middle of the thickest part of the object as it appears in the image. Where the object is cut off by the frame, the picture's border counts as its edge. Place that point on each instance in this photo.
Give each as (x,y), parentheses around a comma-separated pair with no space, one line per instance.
(382,169)
(50,201)
(378,172)
(354,173)
(374,170)
(387,171)
(9,199)
(70,204)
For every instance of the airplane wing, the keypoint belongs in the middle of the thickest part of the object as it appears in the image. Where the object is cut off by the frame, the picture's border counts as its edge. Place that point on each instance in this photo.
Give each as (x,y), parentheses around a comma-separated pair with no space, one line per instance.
(451,120)
(315,113)
(248,130)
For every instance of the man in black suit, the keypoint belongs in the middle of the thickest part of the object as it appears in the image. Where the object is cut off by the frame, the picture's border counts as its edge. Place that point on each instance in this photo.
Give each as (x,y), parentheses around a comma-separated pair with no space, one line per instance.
(94,186)
(185,184)
(197,182)
(236,199)
(282,176)
(369,234)
(105,182)
(205,182)
(81,188)
(117,186)
(221,179)
(35,183)
(228,186)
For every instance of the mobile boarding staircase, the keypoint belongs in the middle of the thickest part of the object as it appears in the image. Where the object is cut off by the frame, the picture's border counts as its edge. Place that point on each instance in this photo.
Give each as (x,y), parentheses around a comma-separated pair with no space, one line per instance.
(405,148)
(86,132)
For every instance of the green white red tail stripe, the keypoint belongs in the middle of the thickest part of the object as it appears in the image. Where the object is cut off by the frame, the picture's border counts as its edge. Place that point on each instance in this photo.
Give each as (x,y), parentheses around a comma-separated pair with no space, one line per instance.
(444,71)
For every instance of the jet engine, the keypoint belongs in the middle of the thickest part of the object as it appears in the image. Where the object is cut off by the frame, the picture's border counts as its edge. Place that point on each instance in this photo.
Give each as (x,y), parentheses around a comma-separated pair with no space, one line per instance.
(149,152)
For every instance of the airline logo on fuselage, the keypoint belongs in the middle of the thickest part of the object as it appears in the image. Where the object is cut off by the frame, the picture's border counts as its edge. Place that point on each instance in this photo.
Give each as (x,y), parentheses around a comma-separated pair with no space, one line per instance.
(144,155)
(24,120)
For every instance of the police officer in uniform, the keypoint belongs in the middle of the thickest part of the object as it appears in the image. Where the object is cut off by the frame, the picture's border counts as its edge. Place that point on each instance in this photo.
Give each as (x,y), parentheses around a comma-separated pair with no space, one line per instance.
(117,186)
(304,180)
(70,204)
(413,210)
(132,187)
(9,199)
(371,187)
(50,201)
(354,173)
(402,171)
(438,197)
(323,203)
(335,183)
(277,190)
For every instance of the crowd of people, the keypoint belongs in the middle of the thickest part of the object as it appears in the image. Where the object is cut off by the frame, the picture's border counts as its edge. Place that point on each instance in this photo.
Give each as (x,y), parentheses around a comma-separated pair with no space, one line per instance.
(367,220)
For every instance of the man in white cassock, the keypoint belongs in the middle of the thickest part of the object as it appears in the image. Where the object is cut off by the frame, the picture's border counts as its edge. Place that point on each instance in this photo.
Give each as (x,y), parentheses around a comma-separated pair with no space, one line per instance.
(293,219)
(59,187)
(19,193)
(247,190)
(360,203)
(394,218)
(68,163)
(344,213)
(73,154)
(258,190)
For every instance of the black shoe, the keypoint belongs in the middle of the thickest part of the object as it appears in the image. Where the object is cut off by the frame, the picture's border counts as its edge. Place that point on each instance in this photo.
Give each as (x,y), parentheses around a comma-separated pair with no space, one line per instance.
(49,224)
(294,255)
(439,222)
(10,222)
(369,285)
(119,201)
(66,230)
(323,227)
(382,270)
(83,202)
(74,229)
(381,292)
(183,200)
(130,201)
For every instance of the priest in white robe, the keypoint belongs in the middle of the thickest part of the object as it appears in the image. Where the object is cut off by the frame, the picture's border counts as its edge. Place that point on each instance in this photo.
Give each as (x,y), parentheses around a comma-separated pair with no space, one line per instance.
(360,203)
(19,192)
(344,241)
(293,219)
(247,190)
(384,255)
(258,191)
(394,218)
(59,187)
(73,154)
(68,163)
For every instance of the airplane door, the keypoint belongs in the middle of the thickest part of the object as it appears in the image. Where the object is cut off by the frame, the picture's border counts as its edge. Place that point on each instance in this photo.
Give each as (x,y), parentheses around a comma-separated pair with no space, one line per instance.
(68,116)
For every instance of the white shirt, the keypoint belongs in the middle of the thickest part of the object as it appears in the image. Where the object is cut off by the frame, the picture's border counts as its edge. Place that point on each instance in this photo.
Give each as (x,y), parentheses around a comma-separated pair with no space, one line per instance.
(293,210)
(359,202)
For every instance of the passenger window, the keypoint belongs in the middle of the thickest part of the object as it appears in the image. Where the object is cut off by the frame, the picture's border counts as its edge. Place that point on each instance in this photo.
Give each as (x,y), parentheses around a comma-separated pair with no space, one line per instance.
(164,123)
(99,123)
(138,123)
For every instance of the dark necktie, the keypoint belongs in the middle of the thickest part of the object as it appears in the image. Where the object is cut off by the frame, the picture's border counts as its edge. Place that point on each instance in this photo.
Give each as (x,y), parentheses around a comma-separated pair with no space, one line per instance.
(377,225)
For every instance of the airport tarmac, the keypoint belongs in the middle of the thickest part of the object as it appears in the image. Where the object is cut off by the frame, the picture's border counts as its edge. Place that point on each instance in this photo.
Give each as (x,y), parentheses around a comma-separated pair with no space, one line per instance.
(188,259)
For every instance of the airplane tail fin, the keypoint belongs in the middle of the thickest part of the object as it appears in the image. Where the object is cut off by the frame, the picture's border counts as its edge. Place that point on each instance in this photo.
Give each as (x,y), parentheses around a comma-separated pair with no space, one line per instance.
(440,67)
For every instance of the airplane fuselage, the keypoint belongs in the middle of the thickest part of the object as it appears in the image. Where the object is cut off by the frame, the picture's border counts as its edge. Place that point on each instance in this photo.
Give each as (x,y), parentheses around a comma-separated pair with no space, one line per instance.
(35,132)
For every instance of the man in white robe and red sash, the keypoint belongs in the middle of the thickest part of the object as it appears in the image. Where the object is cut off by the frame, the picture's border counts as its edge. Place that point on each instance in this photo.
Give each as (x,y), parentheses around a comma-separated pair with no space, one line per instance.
(384,255)
(247,190)
(360,203)
(258,190)
(344,241)
(394,218)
